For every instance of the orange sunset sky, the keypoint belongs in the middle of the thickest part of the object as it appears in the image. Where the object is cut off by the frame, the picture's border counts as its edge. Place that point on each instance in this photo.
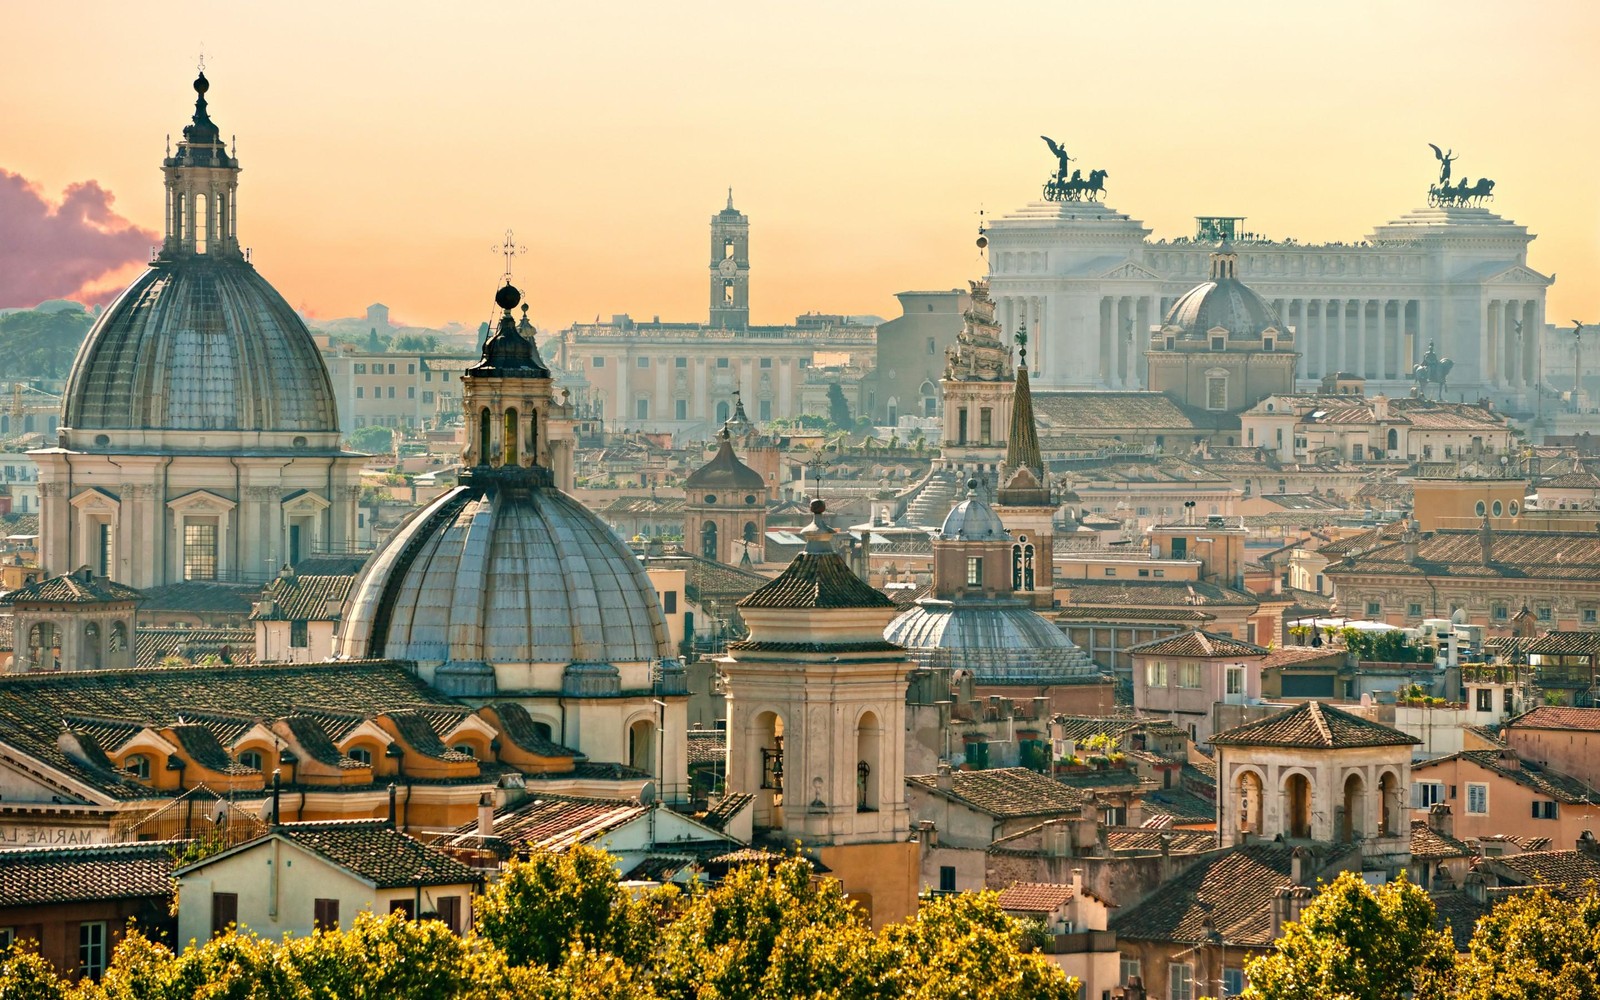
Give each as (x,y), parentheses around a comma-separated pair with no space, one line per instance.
(387,146)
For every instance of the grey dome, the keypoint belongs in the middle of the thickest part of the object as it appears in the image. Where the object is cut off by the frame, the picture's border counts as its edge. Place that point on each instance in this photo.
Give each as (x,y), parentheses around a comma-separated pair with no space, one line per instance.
(998,642)
(972,520)
(1227,303)
(505,575)
(200,343)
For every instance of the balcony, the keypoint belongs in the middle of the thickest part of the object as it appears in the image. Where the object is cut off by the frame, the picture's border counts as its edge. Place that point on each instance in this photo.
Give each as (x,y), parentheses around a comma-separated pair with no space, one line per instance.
(1080,943)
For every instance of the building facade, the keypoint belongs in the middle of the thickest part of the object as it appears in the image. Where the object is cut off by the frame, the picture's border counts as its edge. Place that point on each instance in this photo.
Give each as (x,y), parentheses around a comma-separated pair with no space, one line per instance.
(1091,283)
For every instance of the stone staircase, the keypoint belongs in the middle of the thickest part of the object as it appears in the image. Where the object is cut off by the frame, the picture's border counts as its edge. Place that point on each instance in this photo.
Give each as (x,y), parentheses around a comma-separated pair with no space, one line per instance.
(935,496)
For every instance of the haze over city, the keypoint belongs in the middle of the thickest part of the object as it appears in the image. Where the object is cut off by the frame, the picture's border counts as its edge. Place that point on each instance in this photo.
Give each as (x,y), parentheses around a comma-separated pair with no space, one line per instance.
(387,147)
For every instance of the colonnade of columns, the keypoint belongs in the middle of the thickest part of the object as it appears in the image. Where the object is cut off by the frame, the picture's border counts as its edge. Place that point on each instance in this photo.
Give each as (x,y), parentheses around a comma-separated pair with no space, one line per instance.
(1013,311)
(1125,322)
(1510,345)
(1374,338)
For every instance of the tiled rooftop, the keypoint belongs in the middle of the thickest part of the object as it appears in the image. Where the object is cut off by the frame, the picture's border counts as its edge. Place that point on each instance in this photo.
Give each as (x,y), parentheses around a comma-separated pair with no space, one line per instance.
(303,598)
(1007,792)
(378,853)
(72,874)
(1198,643)
(1235,890)
(1313,725)
(1035,897)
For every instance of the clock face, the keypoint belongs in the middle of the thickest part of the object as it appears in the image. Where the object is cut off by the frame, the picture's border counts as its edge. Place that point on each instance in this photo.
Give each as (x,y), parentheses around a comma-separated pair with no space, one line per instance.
(728,266)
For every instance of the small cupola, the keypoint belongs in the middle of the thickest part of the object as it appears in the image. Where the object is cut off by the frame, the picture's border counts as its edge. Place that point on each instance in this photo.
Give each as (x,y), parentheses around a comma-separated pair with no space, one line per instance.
(1224,263)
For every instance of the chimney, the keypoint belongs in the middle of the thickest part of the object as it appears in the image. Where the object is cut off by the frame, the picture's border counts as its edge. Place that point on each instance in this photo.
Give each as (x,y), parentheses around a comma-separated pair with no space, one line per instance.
(1476,888)
(1299,899)
(944,780)
(391,805)
(1486,541)
(1440,820)
(1077,882)
(1299,866)
(1410,539)
(486,814)
(929,832)
(1588,846)
(1053,839)
(277,795)
(1280,911)
(1442,879)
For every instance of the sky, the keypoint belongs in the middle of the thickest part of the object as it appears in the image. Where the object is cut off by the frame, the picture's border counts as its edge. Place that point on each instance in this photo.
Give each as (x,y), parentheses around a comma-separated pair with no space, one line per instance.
(387,146)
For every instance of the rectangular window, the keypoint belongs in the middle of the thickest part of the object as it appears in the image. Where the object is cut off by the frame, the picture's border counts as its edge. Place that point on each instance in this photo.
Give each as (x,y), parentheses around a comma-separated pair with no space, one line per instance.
(722,362)
(325,913)
(405,906)
(985,425)
(1180,981)
(411,392)
(1180,547)
(8,937)
(680,362)
(391,392)
(1155,675)
(1544,810)
(1235,680)
(1160,572)
(1477,799)
(947,878)
(641,409)
(299,637)
(1374,609)
(1589,616)
(360,369)
(643,362)
(1413,610)
(1543,613)
(766,362)
(1189,676)
(411,369)
(1356,452)
(361,392)
(224,911)
(680,410)
(1217,392)
(449,910)
(1144,572)
(1485,699)
(1111,571)
(200,550)
(1499,612)
(974,571)
(1425,794)
(106,548)
(92,948)
(427,395)
(597,362)
(764,410)
(1130,969)
(1233,981)
(669,602)
(391,369)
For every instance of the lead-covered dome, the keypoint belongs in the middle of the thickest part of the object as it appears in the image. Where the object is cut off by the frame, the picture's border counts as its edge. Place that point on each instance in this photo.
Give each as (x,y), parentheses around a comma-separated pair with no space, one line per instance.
(511,577)
(724,470)
(1224,302)
(972,520)
(999,642)
(200,343)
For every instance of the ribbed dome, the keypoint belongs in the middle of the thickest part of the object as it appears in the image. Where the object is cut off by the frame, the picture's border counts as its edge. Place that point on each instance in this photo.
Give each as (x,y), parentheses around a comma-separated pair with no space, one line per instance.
(1225,302)
(505,575)
(972,520)
(200,343)
(1000,643)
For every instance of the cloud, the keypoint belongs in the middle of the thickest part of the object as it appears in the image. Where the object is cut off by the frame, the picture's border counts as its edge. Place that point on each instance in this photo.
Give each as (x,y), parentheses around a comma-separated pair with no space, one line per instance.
(64,251)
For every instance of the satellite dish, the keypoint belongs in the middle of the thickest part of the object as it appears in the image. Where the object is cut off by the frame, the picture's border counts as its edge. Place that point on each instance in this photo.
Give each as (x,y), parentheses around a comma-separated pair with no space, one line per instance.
(647,794)
(1459,616)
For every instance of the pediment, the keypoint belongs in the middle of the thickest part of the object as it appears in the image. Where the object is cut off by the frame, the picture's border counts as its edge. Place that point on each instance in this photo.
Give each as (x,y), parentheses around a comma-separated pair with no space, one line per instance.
(1131,270)
(96,498)
(1517,274)
(201,502)
(304,501)
(473,724)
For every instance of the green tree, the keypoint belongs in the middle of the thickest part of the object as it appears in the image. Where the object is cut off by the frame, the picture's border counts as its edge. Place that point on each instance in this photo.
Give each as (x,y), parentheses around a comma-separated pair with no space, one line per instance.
(839,407)
(544,906)
(420,343)
(964,946)
(371,439)
(40,343)
(1357,942)
(1535,947)
(26,976)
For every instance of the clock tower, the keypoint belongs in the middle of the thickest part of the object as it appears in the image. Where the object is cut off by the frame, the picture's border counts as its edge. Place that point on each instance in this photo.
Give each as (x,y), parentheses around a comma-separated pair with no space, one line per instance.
(730,268)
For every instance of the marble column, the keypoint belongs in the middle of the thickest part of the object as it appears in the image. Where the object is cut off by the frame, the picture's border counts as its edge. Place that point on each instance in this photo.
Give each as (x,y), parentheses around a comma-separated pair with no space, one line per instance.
(1361,338)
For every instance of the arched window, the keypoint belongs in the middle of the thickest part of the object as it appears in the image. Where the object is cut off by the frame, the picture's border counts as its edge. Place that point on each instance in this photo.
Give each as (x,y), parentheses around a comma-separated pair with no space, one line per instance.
(642,746)
(1354,822)
(1388,804)
(202,223)
(1297,795)
(1022,574)
(361,755)
(767,765)
(708,540)
(252,759)
(119,637)
(91,644)
(485,436)
(1393,439)
(930,399)
(869,742)
(511,438)
(750,535)
(722,412)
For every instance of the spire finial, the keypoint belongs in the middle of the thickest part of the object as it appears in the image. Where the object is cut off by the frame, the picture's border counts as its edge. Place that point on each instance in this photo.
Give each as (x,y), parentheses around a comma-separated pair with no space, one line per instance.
(730,197)
(508,249)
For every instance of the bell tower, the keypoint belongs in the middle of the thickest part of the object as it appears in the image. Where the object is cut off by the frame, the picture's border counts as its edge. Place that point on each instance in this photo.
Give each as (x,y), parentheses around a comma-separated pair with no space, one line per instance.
(730,268)
(201,183)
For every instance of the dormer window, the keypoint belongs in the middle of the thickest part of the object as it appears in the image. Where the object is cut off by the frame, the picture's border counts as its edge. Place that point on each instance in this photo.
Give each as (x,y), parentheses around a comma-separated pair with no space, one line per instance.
(361,755)
(251,759)
(1219,343)
(138,765)
(1266,343)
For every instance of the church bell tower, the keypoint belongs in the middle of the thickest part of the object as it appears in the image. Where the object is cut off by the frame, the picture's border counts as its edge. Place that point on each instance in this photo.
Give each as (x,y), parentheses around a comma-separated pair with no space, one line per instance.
(730,268)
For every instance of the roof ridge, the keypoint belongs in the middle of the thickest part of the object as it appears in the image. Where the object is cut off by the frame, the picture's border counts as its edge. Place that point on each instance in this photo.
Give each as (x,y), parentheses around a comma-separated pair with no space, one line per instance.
(1321,721)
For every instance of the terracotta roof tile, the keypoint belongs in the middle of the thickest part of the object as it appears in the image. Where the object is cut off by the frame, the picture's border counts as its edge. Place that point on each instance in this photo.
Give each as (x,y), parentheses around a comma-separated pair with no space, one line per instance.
(74,874)
(1546,555)
(1235,890)
(152,645)
(303,598)
(1200,643)
(729,806)
(707,746)
(1313,725)
(1035,897)
(1570,874)
(1151,841)
(1429,844)
(1556,717)
(817,580)
(1147,594)
(1566,643)
(377,853)
(72,588)
(201,597)
(1007,792)
(1558,786)
(1094,410)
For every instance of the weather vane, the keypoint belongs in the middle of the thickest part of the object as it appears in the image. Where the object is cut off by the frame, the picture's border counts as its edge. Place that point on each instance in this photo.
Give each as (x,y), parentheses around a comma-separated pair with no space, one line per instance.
(509,249)
(202,66)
